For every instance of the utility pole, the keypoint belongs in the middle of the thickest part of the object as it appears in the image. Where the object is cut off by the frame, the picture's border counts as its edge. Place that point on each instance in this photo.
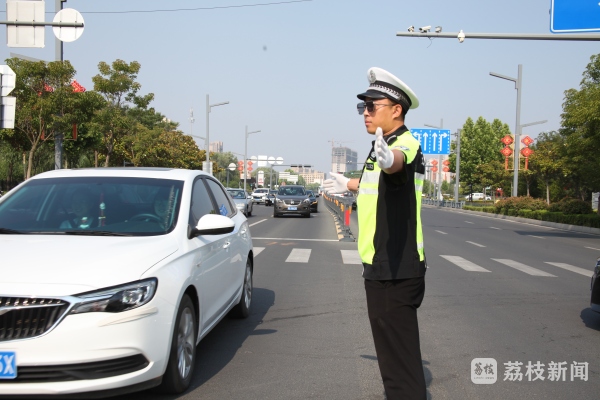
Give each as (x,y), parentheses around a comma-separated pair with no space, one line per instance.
(457,180)
(58,56)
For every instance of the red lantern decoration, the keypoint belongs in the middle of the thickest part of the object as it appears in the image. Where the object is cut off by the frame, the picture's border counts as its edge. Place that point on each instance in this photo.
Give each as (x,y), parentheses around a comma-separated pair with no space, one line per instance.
(506,151)
(434,169)
(527,141)
(507,140)
(446,169)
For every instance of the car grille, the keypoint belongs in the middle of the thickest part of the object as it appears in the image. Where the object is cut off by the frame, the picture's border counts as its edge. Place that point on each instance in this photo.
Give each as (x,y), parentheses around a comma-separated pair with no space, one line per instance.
(73,372)
(26,317)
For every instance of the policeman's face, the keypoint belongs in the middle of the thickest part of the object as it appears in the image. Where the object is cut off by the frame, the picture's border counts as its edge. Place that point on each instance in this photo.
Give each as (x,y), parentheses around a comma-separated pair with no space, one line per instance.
(383,115)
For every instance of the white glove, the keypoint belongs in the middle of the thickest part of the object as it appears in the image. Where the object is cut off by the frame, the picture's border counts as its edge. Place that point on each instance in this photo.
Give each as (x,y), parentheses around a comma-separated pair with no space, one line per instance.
(337,184)
(385,157)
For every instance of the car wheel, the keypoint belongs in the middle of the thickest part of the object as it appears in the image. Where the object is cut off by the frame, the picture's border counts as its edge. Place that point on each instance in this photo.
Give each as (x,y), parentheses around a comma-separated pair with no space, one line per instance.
(275,215)
(307,215)
(242,309)
(249,214)
(182,355)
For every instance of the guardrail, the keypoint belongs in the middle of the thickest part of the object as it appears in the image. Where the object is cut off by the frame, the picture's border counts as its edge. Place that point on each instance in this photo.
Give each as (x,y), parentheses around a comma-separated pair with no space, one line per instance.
(443,203)
(341,208)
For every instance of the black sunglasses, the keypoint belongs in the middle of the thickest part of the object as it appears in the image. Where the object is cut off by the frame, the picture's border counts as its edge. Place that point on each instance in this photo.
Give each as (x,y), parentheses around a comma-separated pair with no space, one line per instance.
(369,106)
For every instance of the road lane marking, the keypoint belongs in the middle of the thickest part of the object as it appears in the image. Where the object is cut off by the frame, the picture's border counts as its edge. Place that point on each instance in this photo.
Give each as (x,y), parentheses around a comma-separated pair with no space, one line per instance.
(298,239)
(258,222)
(593,248)
(465,264)
(539,237)
(476,244)
(523,268)
(493,227)
(299,256)
(572,268)
(258,250)
(351,257)
(443,233)
(469,222)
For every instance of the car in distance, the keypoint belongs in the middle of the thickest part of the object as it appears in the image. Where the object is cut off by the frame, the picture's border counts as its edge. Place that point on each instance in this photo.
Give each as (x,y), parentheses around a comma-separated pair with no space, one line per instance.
(291,199)
(270,198)
(258,196)
(242,201)
(112,276)
(595,288)
(314,202)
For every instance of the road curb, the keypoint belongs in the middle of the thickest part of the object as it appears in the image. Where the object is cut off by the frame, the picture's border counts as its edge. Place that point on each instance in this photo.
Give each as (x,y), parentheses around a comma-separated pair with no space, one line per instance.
(554,225)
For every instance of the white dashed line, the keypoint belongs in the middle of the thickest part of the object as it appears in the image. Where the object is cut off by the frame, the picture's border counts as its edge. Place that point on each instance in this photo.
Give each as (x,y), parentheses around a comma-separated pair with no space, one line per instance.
(476,244)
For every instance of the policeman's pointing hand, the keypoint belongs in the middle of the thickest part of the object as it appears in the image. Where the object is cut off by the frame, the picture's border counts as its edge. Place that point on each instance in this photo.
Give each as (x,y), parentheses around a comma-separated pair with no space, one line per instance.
(385,157)
(338,183)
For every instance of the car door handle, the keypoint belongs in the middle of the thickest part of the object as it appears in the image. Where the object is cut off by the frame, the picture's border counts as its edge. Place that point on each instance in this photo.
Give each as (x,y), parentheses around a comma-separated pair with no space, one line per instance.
(226,245)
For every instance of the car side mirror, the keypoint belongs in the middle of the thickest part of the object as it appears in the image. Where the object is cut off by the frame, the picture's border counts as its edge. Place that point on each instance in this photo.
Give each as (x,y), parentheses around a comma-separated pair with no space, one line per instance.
(212,224)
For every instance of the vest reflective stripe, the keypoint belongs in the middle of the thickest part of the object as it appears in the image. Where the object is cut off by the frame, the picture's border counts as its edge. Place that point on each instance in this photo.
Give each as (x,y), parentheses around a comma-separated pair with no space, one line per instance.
(374,191)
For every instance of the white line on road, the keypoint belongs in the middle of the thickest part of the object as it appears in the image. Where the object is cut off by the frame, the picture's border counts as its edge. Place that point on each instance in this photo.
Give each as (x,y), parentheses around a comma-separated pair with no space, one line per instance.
(465,264)
(593,248)
(476,244)
(258,222)
(299,256)
(258,250)
(298,239)
(572,268)
(523,268)
(539,237)
(469,222)
(351,257)
(443,233)
(493,227)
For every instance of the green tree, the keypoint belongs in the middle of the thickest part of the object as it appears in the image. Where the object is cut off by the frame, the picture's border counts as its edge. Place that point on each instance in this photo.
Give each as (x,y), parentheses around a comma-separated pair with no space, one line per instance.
(117,83)
(548,158)
(581,131)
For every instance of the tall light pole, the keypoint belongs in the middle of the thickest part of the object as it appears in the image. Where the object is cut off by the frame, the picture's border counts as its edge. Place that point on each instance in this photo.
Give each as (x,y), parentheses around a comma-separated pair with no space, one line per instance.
(207,167)
(457,179)
(518,83)
(192,120)
(246,155)
(438,177)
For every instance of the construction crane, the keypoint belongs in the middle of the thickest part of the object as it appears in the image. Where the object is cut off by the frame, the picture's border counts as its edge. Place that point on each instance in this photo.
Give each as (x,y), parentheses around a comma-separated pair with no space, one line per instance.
(333,142)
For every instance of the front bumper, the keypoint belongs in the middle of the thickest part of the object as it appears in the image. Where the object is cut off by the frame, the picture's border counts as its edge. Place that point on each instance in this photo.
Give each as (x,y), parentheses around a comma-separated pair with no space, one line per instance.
(134,344)
(283,208)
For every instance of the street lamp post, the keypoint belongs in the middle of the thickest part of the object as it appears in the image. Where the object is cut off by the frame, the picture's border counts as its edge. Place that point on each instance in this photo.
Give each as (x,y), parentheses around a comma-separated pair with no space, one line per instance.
(207,167)
(246,155)
(518,82)
(457,179)
(273,160)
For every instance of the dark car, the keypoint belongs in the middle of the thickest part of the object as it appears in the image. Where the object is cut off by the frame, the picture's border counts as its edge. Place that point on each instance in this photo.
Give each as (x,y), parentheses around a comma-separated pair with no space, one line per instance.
(595,288)
(291,199)
(314,202)
(270,198)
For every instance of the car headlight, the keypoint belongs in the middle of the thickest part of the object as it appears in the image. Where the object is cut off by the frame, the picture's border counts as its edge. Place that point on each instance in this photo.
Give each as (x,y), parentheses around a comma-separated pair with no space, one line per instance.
(307,201)
(278,200)
(240,206)
(117,298)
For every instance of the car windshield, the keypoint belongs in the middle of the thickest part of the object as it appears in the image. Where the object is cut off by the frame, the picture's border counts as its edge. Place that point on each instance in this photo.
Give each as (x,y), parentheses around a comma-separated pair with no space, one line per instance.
(291,191)
(107,206)
(237,194)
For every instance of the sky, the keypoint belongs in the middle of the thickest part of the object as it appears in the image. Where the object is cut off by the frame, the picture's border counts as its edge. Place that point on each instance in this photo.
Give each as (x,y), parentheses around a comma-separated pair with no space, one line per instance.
(292,69)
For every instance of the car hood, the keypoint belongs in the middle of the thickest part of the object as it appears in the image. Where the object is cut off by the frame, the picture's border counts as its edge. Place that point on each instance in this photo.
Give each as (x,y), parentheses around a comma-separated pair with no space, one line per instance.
(50,265)
(295,198)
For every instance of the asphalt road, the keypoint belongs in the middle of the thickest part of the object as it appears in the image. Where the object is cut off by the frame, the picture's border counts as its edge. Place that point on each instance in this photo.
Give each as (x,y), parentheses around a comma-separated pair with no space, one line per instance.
(495,289)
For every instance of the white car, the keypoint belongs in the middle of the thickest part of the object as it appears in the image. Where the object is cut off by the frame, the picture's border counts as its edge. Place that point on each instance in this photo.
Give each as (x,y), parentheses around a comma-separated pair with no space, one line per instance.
(242,201)
(110,277)
(259,195)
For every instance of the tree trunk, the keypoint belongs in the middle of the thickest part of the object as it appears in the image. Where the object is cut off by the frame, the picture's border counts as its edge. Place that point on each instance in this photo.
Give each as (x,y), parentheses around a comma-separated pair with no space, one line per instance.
(547,193)
(30,162)
(598,203)
(95,158)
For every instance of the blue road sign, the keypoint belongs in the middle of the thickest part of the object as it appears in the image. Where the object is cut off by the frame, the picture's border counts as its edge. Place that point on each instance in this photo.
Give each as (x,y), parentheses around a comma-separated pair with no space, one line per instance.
(432,141)
(574,16)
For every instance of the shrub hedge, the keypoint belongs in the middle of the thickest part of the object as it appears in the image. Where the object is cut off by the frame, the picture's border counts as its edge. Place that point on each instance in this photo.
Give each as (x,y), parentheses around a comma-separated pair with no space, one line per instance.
(576,212)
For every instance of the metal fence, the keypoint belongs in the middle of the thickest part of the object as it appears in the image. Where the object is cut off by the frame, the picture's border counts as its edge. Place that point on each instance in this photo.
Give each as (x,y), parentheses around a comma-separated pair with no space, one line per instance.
(443,203)
(341,208)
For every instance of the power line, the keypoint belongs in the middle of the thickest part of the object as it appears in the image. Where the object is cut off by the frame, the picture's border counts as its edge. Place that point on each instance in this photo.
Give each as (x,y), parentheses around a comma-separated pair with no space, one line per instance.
(192,9)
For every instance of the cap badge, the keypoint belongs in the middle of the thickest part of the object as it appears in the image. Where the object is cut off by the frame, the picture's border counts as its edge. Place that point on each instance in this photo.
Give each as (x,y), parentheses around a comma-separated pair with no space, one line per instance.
(372,77)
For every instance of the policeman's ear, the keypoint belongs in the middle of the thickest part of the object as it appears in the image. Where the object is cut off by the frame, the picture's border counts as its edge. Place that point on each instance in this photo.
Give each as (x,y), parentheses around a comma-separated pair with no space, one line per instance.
(398,111)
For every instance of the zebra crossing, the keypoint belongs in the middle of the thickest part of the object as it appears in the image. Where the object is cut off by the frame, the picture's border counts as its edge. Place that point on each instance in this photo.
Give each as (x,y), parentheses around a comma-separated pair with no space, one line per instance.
(351,257)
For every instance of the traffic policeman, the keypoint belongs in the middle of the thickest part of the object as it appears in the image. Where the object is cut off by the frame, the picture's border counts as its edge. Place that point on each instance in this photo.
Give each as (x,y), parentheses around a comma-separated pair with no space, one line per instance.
(390,239)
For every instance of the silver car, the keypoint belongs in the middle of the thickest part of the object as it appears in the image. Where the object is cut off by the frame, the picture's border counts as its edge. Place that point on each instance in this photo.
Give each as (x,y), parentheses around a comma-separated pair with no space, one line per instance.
(242,201)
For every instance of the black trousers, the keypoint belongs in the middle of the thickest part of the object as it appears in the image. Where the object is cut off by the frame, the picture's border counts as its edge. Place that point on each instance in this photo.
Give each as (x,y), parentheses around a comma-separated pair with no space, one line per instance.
(392,307)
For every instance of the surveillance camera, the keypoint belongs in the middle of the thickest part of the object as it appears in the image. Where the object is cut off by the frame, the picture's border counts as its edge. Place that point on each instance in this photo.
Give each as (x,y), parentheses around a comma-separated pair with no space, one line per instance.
(461,36)
(438,29)
(411,28)
(425,28)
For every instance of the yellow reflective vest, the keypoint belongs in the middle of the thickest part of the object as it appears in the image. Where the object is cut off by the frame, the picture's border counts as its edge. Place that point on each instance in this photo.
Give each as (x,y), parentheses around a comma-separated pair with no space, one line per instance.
(390,236)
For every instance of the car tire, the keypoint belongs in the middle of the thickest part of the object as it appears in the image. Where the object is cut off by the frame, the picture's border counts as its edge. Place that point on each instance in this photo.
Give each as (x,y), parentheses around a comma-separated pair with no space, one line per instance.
(249,213)
(182,354)
(275,215)
(242,309)
(307,215)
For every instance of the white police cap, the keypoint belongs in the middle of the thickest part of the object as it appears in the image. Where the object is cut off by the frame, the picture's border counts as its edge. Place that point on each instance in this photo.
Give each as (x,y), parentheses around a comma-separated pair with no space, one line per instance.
(385,85)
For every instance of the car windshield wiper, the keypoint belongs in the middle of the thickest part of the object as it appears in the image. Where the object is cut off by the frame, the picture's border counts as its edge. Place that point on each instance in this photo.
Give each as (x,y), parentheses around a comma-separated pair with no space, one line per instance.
(97,233)
(7,231)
